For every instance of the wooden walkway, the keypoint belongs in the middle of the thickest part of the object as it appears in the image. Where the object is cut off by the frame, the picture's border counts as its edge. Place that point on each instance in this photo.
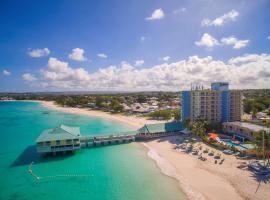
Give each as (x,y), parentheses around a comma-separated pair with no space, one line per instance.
(90,140)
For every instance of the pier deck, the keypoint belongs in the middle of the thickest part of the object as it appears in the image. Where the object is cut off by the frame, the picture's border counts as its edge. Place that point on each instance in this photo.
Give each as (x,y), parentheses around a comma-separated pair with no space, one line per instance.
(91,140)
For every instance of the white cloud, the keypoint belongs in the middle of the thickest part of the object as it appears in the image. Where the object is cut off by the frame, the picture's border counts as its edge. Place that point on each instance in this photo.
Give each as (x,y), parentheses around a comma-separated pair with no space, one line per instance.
(268,38)
(139,63)
(29,77)
(60,71)
(102,55)
(36,53)
(142,38)
(247,71)
(166,58)
(237,44)
(208,41)
(250,58)
(6,73)
(157,14)
(220,21)
(77,54)
(180,10)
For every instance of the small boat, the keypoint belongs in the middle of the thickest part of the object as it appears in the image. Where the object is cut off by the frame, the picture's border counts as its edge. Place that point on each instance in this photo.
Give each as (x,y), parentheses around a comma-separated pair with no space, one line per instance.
(46,112)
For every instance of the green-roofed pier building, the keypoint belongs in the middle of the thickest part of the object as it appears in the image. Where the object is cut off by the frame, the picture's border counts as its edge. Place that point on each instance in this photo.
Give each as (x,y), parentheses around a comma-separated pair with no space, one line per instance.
(65,138)
(60,139)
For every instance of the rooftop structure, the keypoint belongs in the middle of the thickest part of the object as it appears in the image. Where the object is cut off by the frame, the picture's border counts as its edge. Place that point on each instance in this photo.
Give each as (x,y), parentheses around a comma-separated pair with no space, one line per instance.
(60,139)
(218,104)
(161,128)
(244,130)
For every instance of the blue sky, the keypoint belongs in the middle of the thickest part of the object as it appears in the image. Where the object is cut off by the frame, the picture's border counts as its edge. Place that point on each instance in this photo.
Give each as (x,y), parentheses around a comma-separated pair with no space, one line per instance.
(174,43)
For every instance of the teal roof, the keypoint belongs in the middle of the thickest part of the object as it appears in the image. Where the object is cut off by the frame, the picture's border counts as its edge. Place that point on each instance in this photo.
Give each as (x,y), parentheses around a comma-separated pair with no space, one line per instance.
(161,127)
(61,132)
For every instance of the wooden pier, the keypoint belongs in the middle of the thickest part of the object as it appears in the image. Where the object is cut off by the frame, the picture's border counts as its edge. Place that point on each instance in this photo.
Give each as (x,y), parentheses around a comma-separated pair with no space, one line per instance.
(90,140)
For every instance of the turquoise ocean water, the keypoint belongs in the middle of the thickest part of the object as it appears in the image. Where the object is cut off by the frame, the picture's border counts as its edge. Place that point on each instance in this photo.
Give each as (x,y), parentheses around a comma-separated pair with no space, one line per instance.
(112,172)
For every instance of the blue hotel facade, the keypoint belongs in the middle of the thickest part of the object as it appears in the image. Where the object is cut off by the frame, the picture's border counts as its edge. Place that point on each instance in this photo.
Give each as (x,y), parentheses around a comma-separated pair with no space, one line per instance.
(218,104)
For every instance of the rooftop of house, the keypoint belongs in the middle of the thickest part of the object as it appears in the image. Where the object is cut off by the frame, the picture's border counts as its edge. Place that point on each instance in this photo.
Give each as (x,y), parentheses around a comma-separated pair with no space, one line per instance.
(161,127)
(250,126)
(61,132)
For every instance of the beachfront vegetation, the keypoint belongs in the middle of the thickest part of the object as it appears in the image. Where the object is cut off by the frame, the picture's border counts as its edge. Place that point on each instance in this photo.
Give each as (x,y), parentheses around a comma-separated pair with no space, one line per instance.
(165,114)
(262,145)
(157,105)
(199,128)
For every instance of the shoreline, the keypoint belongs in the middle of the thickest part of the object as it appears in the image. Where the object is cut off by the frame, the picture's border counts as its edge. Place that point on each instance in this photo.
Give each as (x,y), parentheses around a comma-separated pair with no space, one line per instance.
(205,179)
(197,179)
(134,122)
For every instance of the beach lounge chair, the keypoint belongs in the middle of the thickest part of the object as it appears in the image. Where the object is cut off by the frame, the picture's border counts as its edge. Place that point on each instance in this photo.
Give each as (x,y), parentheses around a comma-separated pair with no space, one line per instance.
(217,156)
(206,150)
(195,152)
(211,153)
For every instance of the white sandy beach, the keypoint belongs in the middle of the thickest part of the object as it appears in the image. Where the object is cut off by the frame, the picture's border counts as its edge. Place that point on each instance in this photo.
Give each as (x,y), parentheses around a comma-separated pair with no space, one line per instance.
(198,179)
(133,122)
(205,179)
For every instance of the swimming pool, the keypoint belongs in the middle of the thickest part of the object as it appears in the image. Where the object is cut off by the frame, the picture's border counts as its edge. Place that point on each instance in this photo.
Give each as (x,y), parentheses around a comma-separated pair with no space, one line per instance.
(240,146)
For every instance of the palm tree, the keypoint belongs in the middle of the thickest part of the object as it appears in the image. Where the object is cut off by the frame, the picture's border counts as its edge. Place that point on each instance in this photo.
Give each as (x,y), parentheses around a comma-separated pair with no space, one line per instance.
(262,144)
(199,128)
(187,123)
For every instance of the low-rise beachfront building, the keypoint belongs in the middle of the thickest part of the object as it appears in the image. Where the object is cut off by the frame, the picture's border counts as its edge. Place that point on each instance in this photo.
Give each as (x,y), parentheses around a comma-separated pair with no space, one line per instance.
(159,130)
(60,139)
(243,130)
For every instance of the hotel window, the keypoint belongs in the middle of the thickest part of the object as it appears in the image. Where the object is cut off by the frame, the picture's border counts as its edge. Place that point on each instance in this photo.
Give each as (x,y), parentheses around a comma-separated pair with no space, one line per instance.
(57,142)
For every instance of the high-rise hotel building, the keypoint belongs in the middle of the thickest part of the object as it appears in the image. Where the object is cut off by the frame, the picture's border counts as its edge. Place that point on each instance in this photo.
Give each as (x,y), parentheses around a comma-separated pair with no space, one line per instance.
(218,104)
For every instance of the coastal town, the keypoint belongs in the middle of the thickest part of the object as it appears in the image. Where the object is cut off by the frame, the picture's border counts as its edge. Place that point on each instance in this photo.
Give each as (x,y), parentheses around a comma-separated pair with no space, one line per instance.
(135,100)
(211,126)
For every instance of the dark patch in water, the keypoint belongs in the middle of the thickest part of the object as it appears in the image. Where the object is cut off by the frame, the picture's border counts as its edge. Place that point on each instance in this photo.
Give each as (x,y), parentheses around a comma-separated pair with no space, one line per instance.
(14,196)
(30,154)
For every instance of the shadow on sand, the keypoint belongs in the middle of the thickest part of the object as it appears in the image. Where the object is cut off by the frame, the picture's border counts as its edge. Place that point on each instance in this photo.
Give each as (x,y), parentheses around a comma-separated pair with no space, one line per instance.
(30,154)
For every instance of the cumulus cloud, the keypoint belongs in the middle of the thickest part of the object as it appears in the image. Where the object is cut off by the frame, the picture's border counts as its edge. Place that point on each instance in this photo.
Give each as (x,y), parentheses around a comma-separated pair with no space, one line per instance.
(207,41)
(250,58)
(247,71)
(6,73)
(220,21)
(29,77)
(77,54)
(166,58)
(36,53)
(157,14)
(236,43)
(139,63)
(102,55)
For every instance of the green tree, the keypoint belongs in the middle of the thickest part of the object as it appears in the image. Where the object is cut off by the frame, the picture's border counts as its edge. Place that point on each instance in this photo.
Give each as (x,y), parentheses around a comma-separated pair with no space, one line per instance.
(187,123)
(199,128)
(176,114)
(262,144)
(141,99)
(116,106)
